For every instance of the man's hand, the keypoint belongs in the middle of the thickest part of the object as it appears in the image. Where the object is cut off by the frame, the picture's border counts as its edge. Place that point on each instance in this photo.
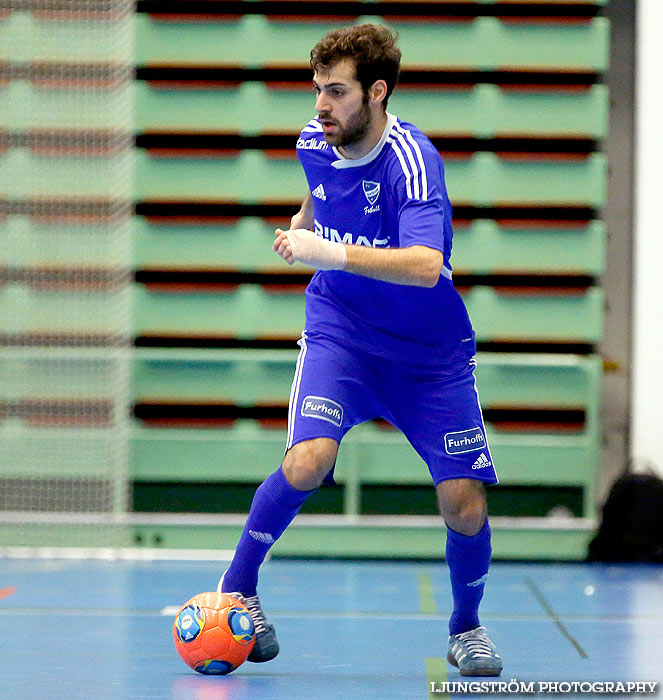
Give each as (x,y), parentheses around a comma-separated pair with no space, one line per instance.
(306,247)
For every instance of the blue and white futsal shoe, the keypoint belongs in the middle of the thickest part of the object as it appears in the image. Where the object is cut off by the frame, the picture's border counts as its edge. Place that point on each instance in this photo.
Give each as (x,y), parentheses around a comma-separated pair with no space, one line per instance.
(474,654)
(266,646)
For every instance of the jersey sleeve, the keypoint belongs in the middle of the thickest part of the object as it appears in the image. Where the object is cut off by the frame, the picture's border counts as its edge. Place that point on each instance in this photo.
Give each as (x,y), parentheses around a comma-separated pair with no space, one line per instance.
(418,183)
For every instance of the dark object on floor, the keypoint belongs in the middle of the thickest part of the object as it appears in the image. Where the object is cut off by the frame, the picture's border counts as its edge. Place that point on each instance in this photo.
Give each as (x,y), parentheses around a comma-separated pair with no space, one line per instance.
(632,525)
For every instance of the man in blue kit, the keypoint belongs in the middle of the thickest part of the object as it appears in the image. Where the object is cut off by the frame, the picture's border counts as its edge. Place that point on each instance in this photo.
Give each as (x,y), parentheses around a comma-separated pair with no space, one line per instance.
(387,335)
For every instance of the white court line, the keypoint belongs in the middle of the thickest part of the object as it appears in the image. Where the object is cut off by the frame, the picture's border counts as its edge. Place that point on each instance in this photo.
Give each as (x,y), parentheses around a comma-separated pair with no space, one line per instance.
(117,553)
(170,610)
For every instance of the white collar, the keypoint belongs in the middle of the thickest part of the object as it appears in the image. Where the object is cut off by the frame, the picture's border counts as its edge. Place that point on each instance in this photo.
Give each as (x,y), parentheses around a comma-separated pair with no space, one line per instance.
(344,162)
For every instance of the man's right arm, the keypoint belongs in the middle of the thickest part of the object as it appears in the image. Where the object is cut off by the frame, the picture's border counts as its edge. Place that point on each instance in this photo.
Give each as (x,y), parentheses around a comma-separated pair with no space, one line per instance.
(304,217)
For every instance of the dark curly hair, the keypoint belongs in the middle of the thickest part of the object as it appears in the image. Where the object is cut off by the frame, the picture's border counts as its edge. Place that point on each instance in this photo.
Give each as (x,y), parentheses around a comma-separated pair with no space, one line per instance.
(373,49)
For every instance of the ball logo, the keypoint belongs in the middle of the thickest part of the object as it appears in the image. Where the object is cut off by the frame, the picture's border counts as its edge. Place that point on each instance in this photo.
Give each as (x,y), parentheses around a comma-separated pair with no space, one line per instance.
(464,441)
(214,667)
(190,623)
(241,625)
(324,409)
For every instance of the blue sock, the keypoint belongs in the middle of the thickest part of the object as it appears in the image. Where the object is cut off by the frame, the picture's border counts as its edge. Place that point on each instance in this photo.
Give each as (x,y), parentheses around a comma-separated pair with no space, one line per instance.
(468,557)
(274,506)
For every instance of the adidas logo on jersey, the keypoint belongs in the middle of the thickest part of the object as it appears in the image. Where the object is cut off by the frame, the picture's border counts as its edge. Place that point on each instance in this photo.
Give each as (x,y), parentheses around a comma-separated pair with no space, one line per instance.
(481,462)
(319,192)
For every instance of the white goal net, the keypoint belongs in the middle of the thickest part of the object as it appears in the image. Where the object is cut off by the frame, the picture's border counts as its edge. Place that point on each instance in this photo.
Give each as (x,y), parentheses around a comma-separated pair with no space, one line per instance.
(66,79)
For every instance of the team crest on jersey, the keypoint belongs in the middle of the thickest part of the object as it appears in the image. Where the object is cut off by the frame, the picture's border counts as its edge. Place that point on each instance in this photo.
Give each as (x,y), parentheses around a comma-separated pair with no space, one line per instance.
(371,190)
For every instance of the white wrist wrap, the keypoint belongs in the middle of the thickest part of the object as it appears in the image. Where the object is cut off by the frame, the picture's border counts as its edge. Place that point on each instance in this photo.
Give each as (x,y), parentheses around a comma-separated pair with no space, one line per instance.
(311,249)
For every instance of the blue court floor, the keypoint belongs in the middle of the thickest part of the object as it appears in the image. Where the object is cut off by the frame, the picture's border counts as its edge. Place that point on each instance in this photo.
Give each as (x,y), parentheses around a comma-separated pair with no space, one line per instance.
(101,630)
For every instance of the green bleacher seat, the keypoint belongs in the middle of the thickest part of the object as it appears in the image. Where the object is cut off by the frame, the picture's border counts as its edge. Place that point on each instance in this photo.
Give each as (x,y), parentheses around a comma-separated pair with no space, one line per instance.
(36,373)
(30,242)
(5,111)
(22,442)
(248,453)
(27,175)
(485,110)
(577,317)
(25,106)
(245,245)
(249,377)
(480,248)
(250,177)
(485,42)
(482,179)
(53,310)
(486,247)
(248,311)
(486,179)
(25,37)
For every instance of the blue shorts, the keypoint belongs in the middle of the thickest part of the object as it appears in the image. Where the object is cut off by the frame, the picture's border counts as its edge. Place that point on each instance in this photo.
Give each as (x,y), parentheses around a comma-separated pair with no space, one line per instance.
(337,387)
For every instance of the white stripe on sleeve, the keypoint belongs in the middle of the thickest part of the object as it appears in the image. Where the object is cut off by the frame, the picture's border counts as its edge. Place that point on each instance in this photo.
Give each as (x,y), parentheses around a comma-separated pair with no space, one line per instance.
(406,172)
(313,125)
(420,159)
(413,164)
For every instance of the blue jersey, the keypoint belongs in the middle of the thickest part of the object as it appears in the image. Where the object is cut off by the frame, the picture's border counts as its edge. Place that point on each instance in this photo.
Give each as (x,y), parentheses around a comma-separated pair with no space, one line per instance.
(393,197)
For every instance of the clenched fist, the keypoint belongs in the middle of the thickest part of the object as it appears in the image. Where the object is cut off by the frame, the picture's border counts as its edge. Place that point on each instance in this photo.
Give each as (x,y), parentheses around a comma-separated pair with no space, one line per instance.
(306,247)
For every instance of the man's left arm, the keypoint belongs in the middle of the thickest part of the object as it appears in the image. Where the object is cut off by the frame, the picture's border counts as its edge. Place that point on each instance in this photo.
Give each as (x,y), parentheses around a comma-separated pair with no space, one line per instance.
(417,265)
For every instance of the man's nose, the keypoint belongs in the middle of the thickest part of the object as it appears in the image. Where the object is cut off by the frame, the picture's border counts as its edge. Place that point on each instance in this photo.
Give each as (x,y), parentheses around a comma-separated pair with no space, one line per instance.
(322,103)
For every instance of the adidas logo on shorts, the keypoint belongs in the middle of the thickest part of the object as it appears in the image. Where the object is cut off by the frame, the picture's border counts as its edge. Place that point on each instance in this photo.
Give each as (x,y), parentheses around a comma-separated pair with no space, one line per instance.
(481,462)
(319,192)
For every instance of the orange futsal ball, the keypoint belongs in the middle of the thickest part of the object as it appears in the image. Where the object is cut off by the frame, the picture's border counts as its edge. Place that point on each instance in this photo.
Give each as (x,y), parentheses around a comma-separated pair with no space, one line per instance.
(213,633)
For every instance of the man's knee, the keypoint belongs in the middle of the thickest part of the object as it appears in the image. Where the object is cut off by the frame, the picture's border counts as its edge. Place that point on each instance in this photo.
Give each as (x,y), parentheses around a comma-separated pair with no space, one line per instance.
(462,504)
(306,463)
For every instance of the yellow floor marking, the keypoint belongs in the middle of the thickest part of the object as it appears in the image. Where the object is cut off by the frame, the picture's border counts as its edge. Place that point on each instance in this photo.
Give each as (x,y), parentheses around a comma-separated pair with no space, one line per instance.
(436,675)
(426,597)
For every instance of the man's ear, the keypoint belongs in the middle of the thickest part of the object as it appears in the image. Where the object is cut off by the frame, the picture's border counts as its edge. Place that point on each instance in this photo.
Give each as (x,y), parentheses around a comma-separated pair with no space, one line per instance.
(378,91)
